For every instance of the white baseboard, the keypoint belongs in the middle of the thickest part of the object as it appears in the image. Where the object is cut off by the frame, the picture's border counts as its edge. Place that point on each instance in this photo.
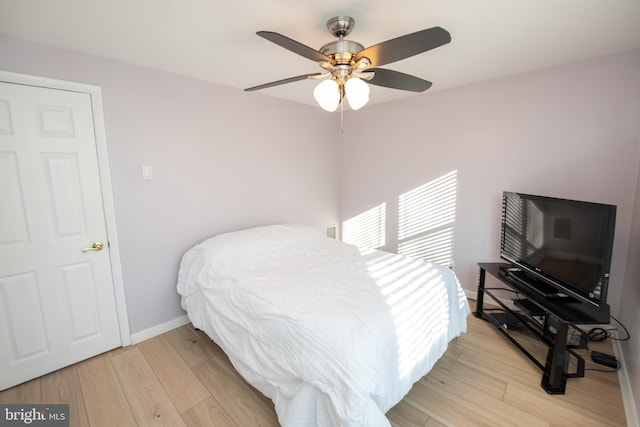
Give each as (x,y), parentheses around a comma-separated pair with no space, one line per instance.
(630,409)
(159,329)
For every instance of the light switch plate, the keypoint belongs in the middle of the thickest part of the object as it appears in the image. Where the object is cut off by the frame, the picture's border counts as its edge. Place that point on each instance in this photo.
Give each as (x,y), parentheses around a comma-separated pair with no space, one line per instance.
(147,172)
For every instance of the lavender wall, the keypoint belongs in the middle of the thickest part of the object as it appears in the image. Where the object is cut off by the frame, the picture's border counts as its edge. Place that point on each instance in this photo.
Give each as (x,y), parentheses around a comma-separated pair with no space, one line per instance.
(629,312)
(222,159)
(572,131)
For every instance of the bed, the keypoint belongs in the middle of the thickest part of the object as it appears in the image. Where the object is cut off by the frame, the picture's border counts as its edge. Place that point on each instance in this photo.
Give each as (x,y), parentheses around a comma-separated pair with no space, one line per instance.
(333,335)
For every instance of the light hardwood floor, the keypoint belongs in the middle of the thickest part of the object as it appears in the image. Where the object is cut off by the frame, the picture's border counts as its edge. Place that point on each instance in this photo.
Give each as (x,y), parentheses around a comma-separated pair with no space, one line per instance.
(181,378)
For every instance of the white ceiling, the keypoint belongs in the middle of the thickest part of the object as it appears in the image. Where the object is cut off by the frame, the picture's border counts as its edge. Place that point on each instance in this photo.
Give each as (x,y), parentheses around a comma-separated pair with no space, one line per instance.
(215,40)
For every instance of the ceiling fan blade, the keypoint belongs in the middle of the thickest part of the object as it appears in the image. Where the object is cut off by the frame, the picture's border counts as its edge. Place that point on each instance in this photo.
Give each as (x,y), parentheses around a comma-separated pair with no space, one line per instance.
(405,46)
(283,81)
(397,80)
(295,46)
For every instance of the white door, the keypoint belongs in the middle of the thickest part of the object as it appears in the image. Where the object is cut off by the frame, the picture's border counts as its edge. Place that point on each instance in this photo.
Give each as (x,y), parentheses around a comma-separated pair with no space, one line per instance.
(57,301)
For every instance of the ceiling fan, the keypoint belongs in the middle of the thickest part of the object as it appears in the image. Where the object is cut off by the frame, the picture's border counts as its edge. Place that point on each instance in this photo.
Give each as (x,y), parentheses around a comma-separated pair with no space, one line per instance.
(349,64)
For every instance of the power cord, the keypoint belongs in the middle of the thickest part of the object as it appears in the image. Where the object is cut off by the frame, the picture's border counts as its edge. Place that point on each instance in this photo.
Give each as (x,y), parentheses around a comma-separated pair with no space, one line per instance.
(598,334)
(601,370)
(601,334)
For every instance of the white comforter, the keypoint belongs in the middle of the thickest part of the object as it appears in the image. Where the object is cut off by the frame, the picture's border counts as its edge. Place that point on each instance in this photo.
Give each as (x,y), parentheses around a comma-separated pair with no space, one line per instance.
(333,336)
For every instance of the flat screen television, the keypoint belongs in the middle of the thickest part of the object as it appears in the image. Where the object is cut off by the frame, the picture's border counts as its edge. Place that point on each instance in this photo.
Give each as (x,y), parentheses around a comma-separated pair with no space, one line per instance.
(559,247)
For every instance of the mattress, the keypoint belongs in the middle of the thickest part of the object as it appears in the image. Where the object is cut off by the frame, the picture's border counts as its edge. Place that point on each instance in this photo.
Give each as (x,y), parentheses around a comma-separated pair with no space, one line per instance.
(334,335)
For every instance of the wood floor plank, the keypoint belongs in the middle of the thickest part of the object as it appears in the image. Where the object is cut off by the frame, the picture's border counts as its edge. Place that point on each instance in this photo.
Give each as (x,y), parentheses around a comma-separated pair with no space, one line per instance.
(147,398)
(525,373)
(445,410)
(63,387)
(404,414)
(432,422)
(181,384)
(247,406)
(447,370)
(486,345)
(104,400)
(208,413)
(194,347)
(589,393)
(557,410)
(476,401)
(453,350)
(28,392)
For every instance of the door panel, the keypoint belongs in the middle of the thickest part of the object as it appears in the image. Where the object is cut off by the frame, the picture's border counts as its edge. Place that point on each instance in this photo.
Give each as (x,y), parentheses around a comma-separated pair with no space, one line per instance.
(13,227)
(23,313)
(66,195)
(57,302)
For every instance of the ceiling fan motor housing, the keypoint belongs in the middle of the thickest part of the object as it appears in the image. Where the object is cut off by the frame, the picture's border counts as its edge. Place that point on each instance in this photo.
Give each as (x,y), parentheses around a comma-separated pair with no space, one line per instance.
(342,51)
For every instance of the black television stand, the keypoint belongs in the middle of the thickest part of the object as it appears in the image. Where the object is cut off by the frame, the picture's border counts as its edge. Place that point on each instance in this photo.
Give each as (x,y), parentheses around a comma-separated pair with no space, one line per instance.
(540,287)
(535,316)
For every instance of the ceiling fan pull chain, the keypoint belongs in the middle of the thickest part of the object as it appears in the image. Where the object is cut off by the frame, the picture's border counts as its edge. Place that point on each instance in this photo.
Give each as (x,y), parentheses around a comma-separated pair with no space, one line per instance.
(341,110)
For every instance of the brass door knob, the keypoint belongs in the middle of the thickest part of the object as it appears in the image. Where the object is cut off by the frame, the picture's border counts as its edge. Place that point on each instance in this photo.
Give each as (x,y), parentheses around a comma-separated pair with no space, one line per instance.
(97,246)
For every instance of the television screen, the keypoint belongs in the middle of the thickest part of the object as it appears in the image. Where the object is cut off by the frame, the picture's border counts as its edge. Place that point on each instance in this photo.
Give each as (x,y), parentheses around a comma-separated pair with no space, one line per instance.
(563,243)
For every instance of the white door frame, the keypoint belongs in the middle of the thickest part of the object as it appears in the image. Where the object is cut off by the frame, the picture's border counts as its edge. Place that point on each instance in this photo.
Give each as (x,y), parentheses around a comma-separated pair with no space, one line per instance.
(95,94)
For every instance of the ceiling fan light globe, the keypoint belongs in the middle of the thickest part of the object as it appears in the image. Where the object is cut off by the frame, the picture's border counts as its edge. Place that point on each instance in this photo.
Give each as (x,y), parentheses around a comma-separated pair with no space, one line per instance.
(357,93)
(327,94)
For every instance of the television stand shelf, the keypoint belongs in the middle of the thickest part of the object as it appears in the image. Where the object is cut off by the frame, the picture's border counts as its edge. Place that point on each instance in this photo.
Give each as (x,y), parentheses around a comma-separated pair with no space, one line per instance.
(535,324)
